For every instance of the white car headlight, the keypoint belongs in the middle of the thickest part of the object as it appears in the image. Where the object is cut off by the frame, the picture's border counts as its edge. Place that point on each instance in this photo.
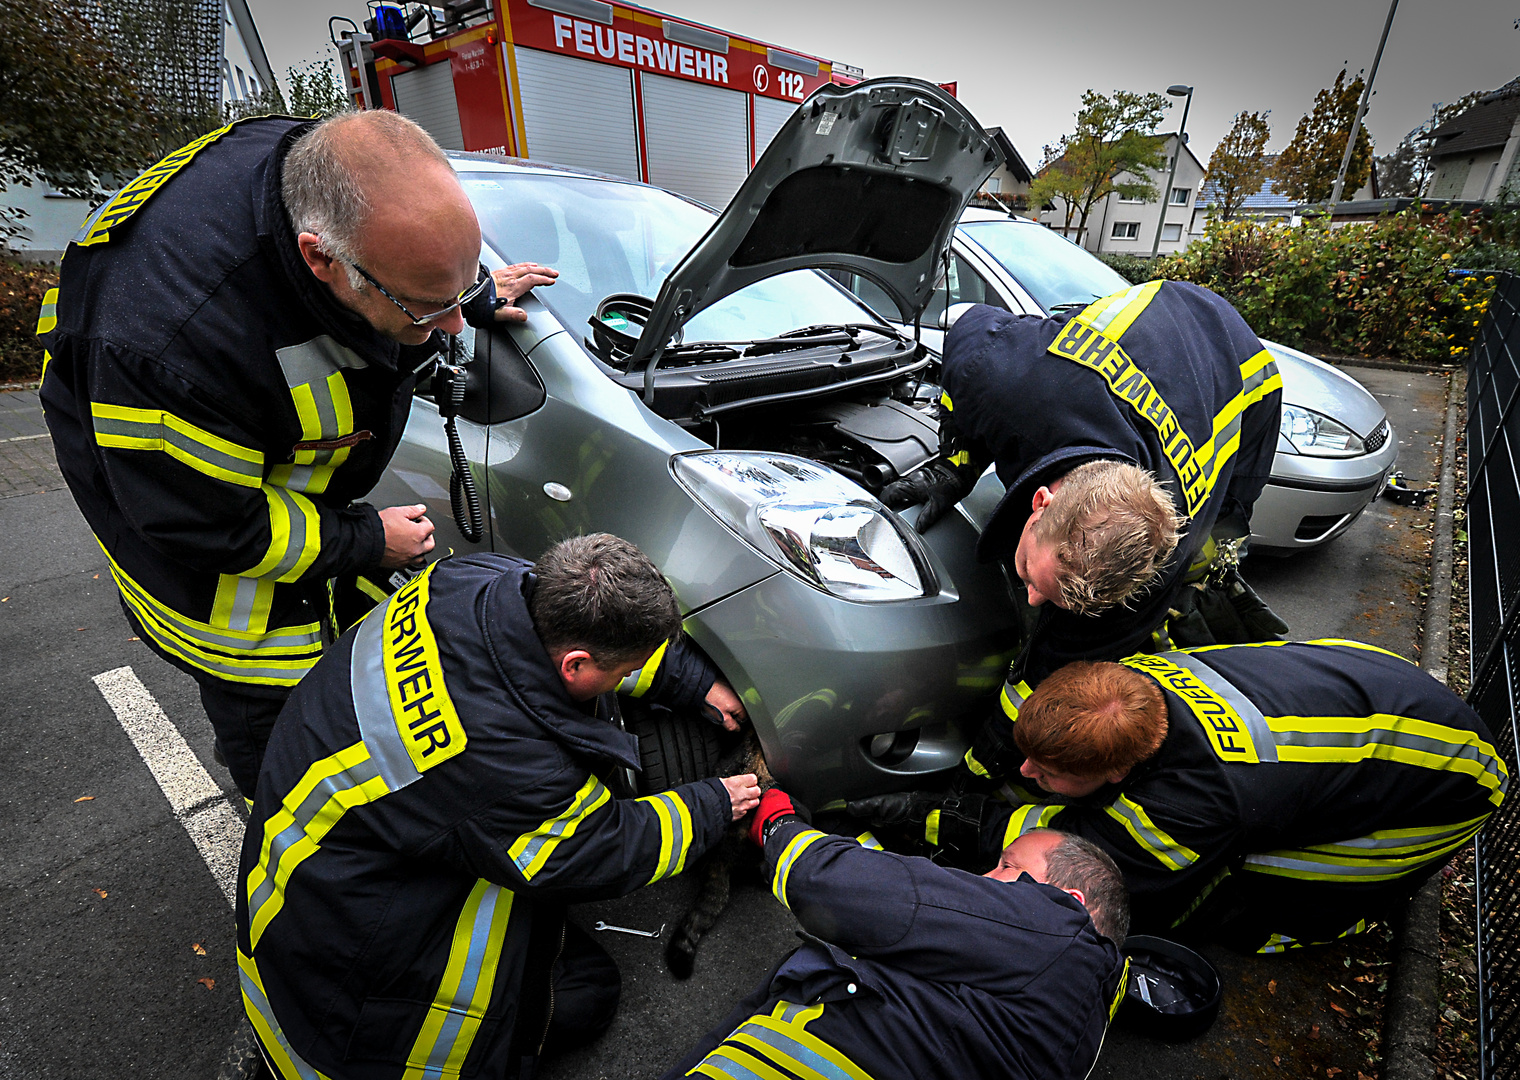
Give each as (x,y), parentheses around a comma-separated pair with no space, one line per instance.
(1317,435)
(813,522)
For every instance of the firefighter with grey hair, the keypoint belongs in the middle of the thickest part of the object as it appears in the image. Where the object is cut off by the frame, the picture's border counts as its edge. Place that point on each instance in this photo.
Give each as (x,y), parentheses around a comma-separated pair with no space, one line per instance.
(232,350)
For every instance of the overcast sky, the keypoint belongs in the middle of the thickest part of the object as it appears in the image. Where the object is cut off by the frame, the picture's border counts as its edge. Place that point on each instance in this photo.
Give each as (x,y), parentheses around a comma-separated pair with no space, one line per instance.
(1024,65)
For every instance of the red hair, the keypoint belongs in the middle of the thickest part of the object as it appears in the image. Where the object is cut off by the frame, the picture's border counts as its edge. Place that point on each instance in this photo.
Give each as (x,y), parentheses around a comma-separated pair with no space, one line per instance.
(1092,720)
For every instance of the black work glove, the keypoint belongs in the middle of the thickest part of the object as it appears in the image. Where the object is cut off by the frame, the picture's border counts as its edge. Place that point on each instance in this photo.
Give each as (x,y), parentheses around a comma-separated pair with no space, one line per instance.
(959,828)
(938,486)
(1261,623)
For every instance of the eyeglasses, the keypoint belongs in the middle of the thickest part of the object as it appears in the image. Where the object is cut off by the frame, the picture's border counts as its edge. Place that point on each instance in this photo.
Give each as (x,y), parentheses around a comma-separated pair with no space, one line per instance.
(422,320)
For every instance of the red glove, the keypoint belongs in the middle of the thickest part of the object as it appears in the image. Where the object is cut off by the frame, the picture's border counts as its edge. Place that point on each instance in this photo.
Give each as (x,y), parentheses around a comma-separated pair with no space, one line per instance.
(774,803)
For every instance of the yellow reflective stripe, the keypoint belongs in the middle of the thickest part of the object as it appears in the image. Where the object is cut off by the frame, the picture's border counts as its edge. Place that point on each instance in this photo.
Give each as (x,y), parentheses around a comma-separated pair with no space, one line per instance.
(733,1063)
(868,839)
(792,1047)
(1119,316)
(370,589)
(1119,993)
(1308,864)
(676,832)
(47,315)
(329,788)
(288,1065)
(1026,819)
(1344,642)
(1228,733)
(125,202)
(1150,836)
(800,843)
(944,399)
(643,679)
(326,412)
(1401,841)
(931,827)
(242,604)
(1386,737)
(960,457)
(1094,311)
(122,427)
(454,1017)
(1013,699)
(415,687)
(532,850)
(976,767)
(295,536)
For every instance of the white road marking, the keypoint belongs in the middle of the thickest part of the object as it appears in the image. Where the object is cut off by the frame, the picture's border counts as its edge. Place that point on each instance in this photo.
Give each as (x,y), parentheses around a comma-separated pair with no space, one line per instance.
(200,805)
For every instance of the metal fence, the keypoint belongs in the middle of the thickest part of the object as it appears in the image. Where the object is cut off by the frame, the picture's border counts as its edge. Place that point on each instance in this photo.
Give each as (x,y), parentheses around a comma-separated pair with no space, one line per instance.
(1493,529)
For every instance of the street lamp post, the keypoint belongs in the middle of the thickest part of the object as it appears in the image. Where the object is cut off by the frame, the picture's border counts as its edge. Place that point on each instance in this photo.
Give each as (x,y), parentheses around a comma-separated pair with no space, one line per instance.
(1176,90)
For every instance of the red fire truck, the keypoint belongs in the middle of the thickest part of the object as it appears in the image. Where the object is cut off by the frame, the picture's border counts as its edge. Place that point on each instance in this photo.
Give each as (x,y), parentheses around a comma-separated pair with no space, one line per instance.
(608,87)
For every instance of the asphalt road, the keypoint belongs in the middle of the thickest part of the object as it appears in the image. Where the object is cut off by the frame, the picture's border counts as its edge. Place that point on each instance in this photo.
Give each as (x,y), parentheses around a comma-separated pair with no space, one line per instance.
(117,937)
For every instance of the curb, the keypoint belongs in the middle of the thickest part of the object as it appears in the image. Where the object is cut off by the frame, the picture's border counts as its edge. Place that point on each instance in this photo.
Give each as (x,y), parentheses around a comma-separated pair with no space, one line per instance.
(1414,991)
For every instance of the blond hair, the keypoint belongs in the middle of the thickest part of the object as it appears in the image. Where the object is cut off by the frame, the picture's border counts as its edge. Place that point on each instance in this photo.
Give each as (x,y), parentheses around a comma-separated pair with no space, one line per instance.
(1112,526)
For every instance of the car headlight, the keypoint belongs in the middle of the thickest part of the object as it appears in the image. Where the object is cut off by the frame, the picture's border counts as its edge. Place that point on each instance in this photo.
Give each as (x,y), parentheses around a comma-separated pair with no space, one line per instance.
(813,522)
(1317,435)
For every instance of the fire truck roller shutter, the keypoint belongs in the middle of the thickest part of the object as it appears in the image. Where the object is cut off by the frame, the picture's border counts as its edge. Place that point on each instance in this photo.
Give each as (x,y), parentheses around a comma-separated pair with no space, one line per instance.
(578,113)
(697,138)
(426,95)
(770,114)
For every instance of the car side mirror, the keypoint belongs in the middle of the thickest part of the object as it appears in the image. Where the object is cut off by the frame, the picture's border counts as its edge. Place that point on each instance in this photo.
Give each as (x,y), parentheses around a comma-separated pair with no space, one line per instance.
(952,313)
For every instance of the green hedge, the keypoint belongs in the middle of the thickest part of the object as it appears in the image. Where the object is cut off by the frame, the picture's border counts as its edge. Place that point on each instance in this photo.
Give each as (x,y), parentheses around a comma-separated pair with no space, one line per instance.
(1383,289)
(22,286)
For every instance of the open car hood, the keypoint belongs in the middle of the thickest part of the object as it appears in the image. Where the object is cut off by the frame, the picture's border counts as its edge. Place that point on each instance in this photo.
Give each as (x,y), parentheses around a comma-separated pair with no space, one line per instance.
(868,178)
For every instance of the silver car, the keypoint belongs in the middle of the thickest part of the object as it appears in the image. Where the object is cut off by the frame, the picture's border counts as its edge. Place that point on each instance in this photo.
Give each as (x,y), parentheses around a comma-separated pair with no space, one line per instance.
(1335,448)
(689,384)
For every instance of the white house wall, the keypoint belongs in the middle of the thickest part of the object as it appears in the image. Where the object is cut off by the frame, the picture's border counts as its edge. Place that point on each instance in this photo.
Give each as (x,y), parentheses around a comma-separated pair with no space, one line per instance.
(1106,213)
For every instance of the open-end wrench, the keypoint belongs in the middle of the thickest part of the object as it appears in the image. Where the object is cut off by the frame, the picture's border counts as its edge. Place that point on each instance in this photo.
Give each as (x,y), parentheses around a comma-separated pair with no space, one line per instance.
(629,930)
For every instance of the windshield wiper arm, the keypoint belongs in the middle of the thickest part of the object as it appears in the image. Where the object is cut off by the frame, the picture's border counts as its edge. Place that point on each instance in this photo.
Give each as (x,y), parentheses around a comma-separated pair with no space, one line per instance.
(812,337)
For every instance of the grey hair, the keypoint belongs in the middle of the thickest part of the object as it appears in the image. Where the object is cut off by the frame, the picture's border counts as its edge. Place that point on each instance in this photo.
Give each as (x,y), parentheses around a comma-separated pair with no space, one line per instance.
(1078,863)
(321,184)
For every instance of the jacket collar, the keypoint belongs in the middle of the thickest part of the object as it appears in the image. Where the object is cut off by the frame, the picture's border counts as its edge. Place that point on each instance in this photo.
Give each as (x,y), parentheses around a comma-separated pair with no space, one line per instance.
(529,674)
(278,238)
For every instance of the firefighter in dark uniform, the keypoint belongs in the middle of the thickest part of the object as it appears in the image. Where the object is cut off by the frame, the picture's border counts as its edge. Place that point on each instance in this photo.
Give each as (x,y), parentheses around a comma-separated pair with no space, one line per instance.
(912,971)
(1260,795)
(219,390)
(430,802)
(1165,377)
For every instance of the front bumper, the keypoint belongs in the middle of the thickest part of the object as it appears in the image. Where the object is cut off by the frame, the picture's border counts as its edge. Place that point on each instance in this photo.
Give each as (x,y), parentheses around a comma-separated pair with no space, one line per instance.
(822,677)
(1310,500)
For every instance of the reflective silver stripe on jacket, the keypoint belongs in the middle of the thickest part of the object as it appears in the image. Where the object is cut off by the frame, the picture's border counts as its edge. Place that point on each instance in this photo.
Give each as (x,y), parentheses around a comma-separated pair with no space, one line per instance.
(1250,715)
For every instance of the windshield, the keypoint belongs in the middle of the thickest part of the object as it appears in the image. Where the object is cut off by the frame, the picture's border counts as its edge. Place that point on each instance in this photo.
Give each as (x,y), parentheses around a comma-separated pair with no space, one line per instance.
(1051,268)
(608,237)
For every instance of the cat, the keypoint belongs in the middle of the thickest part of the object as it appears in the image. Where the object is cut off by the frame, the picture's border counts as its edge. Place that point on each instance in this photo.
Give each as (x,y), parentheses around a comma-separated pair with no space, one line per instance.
(717,867)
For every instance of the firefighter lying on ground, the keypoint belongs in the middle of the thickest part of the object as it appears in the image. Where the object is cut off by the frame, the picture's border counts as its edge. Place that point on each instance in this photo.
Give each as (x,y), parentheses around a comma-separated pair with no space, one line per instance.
(1256,795)
(1124,434)
(912,971)
(223,380)
(430,802)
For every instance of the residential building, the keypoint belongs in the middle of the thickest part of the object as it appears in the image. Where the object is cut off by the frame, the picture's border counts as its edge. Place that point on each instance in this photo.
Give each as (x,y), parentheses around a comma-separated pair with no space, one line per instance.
(51,218)
(1009,182)
(1473,156)
(1128,226)
(1265,204)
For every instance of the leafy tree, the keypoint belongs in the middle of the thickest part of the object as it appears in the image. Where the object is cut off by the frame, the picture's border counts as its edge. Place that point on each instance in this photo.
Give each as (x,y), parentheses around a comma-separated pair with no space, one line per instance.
(315,90)
(70,109)
(1113,148)
(1306,170)
(1239,163)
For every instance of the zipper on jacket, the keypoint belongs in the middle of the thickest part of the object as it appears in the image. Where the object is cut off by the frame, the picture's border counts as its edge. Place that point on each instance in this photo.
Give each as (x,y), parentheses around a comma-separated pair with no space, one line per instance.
(549,1017)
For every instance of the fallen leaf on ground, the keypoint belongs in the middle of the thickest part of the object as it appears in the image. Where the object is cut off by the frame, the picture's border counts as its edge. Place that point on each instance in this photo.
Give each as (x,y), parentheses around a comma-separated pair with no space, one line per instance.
(1272,984)
(91,798)
(209,984)
(1338,1009)
(1314,1028)
(3,599)
(100,893)
(139,639)
(78,629)
(97,576)
(1333,1070)
(1275,1059)
(200,950)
